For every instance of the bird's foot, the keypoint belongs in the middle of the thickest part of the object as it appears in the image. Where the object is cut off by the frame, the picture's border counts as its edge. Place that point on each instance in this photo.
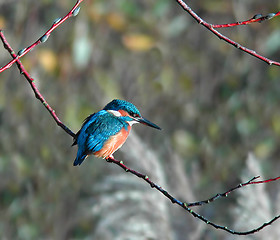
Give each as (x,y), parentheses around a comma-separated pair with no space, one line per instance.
(109,157)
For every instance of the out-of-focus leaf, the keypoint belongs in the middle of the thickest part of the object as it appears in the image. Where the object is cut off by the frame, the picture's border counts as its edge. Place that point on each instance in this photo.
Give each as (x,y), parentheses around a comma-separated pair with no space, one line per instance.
(186,83)
(264,148)
(2,22)
(48,60)
(94,14)
(161,7)
(129,7)
(116,21)
(108,85)
(45,152)
(138,42)
(213,130)
(274,74)
(27,231)
(81,51)
(275,121)
(272,43)
(234,102)
(184,142)
(166,78)
(18,106)
(21,166)
(246,126)
(216,6)
(15,208)
(176,26)
(2,97)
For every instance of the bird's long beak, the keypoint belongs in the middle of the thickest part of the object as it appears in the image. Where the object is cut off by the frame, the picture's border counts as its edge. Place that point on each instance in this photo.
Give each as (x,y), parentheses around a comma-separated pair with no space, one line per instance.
(147,122)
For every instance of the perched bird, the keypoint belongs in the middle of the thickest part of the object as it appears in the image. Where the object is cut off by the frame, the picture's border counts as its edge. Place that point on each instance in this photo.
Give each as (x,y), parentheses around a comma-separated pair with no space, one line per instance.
(104,132)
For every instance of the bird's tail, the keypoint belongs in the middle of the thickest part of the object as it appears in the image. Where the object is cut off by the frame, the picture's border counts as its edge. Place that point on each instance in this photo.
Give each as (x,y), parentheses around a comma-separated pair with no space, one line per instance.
(79,159)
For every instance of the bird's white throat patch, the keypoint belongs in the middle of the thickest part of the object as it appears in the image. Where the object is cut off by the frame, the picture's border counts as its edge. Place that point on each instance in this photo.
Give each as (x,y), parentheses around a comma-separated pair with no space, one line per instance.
(132,122)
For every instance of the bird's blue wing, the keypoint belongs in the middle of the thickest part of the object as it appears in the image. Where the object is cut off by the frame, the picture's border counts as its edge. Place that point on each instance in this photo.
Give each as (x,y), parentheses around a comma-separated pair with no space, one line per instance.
(78,133)
(101,129)
(96,130)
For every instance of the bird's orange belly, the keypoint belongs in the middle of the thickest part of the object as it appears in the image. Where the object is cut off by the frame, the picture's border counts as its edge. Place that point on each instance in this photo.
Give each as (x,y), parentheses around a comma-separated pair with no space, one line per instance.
(113,144)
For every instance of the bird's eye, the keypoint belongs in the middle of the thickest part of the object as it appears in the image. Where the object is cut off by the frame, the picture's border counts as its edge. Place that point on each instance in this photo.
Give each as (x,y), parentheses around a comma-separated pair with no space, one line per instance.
(134,115)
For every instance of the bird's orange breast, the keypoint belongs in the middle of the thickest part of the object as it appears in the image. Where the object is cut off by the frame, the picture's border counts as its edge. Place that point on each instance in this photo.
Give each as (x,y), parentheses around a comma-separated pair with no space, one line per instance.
(113,143)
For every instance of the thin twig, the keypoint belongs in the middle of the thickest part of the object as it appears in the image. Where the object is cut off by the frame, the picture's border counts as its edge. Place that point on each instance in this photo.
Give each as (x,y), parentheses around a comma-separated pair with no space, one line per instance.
(225,194)
(73,12)
(186,206)
(210,27)
(257,18)
(30,80)
(265,181)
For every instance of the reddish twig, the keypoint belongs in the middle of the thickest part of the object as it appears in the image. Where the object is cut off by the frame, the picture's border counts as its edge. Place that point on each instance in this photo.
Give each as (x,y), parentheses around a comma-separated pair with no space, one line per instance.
(265,181)
(225,194)
(257,18)
(211,27)
(73,12)
(187,206)
(38,95)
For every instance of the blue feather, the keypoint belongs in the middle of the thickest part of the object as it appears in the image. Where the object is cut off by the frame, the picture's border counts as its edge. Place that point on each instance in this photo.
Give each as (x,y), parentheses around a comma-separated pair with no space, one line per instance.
(118,104)
(95,131)
(99,127)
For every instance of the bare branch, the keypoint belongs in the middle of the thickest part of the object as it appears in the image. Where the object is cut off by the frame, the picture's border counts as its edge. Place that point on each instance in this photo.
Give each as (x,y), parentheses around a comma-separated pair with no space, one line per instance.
(73,12)
(187,206)
(256,18)
(212,27)
(30,80)
(225,194)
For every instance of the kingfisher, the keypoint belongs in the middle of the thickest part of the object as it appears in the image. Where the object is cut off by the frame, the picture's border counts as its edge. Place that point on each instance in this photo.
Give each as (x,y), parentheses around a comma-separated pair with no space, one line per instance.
(104,132)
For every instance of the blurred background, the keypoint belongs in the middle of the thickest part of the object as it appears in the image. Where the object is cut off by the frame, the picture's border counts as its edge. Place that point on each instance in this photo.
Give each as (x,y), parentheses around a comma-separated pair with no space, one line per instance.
(218,108)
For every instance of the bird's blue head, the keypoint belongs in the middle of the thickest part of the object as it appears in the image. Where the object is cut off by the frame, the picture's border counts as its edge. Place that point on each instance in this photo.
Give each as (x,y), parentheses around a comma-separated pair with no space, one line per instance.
(128,110)
(118,104)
